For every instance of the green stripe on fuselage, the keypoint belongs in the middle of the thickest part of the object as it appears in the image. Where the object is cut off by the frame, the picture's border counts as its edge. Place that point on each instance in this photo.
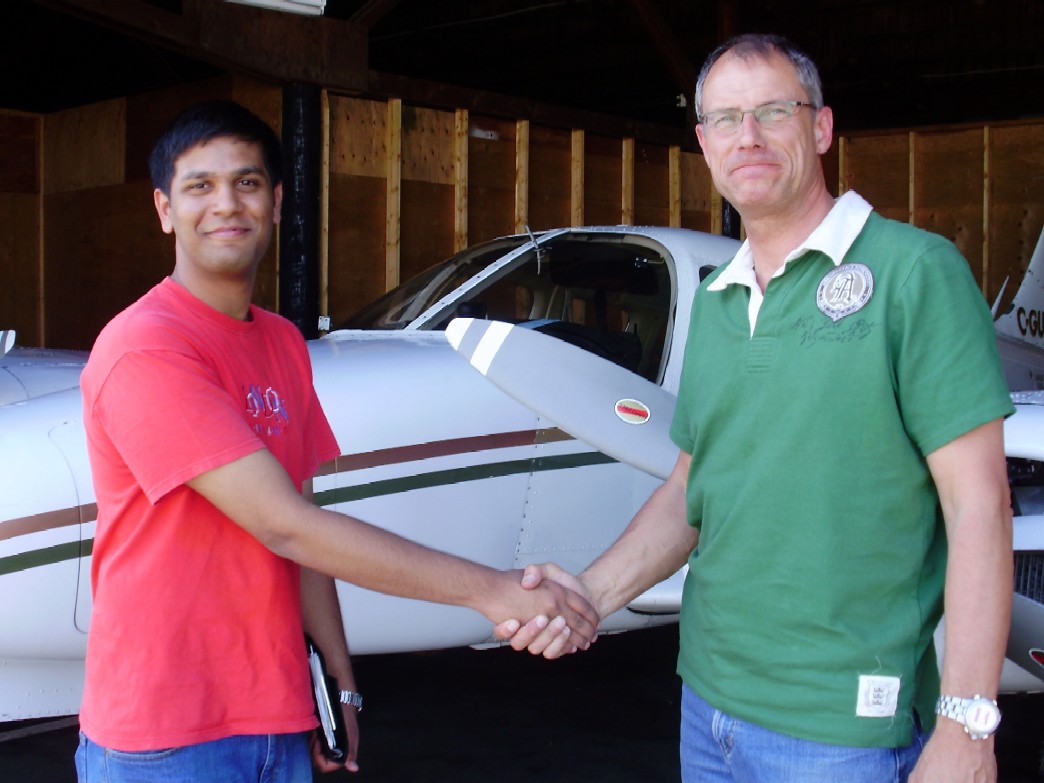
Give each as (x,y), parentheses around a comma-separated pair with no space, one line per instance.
(440,478)
(76,549)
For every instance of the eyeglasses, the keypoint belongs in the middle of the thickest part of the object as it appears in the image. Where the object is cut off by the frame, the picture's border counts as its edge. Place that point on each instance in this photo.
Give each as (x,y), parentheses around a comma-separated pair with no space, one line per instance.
(766,115)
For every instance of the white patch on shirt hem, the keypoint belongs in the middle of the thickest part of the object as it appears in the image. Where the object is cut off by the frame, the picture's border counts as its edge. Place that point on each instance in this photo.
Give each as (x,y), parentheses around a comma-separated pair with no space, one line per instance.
(878,696)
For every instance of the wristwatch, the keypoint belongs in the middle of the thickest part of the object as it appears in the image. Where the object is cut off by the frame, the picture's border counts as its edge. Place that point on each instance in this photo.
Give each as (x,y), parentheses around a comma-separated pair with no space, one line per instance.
(352,698)
(979,715)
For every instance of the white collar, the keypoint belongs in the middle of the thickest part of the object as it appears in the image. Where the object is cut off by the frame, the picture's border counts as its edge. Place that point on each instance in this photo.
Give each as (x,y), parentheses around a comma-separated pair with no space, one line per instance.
(832,237)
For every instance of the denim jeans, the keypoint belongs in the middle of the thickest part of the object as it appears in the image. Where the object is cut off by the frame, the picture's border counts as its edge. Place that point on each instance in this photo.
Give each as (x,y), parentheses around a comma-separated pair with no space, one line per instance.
(717,748)
(273,758)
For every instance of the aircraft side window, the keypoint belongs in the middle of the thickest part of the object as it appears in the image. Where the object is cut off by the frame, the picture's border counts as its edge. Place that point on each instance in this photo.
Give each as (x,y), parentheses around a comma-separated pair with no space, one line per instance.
(1026,479)
(611,299)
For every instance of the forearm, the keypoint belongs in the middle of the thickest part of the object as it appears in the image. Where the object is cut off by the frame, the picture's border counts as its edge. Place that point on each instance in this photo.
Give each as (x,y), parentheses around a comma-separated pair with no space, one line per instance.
(256,493)
(977,604)
(656,543)
(371,557)
(971,477)
(321,617)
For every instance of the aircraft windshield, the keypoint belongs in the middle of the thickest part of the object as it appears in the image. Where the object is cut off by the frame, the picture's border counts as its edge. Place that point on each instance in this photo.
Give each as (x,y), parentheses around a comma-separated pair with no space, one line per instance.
(401,306)
(610,294)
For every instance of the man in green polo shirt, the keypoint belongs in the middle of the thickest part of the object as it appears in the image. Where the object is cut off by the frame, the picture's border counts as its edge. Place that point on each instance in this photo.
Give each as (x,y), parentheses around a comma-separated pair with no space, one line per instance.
(841,469)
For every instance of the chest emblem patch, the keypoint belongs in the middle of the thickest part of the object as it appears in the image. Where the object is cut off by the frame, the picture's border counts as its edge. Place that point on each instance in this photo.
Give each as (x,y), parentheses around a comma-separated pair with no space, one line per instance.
(845,290)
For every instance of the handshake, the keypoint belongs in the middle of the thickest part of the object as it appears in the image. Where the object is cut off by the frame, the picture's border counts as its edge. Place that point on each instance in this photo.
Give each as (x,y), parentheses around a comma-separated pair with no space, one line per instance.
(568,624)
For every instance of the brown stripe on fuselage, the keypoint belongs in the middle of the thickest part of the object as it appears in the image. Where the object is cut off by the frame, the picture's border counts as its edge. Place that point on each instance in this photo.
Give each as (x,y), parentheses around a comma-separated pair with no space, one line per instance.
(64,517)
(48,520)
(440,448)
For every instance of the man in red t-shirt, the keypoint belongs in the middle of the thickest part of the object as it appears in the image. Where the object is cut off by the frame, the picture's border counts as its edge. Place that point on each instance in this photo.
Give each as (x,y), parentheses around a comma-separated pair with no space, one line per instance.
(209,563)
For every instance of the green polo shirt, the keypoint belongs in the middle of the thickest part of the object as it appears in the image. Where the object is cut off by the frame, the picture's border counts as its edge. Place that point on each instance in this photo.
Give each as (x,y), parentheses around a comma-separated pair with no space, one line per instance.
(812,598)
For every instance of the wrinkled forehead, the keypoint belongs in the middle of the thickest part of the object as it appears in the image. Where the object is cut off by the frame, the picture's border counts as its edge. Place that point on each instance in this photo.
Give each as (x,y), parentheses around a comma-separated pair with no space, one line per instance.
(751,76)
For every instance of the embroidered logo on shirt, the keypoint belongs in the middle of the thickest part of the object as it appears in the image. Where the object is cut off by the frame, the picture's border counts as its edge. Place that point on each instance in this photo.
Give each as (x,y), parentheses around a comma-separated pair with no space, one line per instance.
(266,411)
(878,696)
(845,290)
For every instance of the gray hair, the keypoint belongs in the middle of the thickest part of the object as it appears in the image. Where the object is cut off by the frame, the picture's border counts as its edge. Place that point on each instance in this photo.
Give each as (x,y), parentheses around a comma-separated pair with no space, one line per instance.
(755,46)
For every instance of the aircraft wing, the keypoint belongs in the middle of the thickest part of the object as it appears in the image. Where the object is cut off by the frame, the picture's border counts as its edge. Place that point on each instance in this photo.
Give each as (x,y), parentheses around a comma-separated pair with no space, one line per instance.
(616,411)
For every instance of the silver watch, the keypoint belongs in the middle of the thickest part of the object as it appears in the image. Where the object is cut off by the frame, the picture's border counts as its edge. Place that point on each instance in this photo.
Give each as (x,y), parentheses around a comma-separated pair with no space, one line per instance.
(352,699)
(979,715)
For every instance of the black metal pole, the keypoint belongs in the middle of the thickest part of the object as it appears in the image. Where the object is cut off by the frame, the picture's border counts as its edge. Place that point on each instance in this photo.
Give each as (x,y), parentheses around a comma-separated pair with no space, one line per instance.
(300,226)
(730,220)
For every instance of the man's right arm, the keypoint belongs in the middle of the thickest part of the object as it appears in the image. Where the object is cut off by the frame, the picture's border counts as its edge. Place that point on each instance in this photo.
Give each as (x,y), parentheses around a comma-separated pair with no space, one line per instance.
(257,494)
(656,543)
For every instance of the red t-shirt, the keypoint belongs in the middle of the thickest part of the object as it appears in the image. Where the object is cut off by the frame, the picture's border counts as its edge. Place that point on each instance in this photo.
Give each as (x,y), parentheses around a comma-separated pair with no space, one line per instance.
(196,632)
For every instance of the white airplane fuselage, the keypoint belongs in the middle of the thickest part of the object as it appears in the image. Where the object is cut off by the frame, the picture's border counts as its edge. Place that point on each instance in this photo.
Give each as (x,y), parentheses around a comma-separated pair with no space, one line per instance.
(430,449)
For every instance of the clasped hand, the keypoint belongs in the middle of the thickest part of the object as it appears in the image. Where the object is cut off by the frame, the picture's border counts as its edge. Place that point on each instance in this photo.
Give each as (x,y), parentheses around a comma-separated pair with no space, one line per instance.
(574,626)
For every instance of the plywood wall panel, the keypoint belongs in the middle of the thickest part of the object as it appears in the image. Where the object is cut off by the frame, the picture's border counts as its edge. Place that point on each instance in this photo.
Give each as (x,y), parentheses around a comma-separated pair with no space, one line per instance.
(697,192)
(19,162)
(427,226)
(20,250)
(878,168)
(1016,197)
(948,190)
(651,185)
(85,147)
(427,145)
(491,178)
(603,180)
(104,248)
(549,177)
(358,136)
(19,264)
(356,243)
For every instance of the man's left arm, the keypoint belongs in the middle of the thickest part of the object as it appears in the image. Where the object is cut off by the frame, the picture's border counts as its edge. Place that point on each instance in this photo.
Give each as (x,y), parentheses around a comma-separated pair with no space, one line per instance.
(321,617)
(970,474)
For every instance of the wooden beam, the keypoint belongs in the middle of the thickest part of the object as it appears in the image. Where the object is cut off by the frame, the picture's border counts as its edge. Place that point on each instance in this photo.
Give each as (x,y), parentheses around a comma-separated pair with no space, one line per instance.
(461,124)
(324,212)
(674,187)
(911,151)
(372,12)
(286,47)
(627,182)
(987,207)
(258,41)
(268,45)
(673,54)
(393,191)
(447,96)
(576,178)
(521,175)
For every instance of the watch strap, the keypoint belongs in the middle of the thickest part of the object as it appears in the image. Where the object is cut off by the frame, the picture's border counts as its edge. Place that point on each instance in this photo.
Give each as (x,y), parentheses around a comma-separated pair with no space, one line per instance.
(956,708)
(352,699)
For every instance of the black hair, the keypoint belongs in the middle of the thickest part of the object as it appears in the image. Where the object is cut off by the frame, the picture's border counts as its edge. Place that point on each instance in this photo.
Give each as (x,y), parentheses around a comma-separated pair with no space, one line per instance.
(205,122)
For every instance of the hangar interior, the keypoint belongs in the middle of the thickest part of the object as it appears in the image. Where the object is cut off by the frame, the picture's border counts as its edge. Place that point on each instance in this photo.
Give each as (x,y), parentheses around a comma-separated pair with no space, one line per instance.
(441,125)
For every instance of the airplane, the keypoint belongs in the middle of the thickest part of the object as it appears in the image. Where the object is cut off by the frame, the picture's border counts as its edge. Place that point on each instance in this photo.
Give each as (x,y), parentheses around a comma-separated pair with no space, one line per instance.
(508,405)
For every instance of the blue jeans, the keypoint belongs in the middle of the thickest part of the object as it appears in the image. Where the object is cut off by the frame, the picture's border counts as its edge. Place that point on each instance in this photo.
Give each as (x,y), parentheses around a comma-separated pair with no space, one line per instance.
(272,758)
(717,748)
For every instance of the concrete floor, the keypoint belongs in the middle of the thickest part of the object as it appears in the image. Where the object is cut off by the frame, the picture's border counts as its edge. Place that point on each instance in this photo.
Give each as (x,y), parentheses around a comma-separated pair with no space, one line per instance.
(466,715)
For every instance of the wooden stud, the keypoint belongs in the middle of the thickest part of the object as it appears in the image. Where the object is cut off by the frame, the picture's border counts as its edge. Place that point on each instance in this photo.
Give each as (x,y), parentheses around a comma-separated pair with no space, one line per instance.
(842,150)
(986,204)
(911,151)
(393,188)
(576,178)
(521,175)
(461,123)
(627,181)
(324,206)
(41,249)
(674,186)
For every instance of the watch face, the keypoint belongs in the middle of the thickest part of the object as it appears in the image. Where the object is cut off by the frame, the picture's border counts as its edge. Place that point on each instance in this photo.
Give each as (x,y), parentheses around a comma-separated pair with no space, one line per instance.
(982,717)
